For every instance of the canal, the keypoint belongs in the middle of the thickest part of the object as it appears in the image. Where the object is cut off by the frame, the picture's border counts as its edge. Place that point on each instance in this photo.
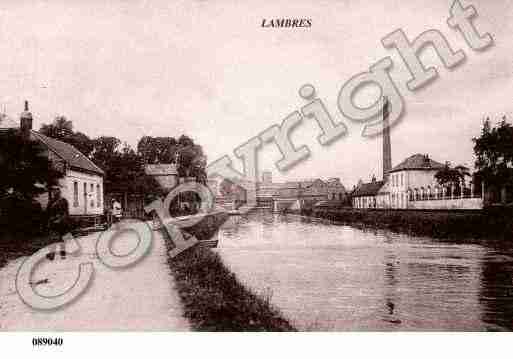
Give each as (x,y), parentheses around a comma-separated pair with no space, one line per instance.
(324,276)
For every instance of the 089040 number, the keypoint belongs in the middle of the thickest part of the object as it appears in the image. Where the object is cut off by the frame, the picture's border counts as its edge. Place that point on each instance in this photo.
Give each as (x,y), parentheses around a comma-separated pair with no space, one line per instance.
(47,341)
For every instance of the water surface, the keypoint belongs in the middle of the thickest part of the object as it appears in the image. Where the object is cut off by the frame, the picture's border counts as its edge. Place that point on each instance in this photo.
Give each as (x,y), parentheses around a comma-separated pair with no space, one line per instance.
(325,276)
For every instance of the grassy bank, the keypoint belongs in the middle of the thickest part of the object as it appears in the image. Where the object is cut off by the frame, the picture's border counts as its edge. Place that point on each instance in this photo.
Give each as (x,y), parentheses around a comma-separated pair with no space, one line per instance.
(214,300)
(490,224)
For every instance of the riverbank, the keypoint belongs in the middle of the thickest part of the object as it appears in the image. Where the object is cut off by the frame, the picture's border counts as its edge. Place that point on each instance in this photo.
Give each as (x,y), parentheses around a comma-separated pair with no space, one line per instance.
(214,300)
(467,225)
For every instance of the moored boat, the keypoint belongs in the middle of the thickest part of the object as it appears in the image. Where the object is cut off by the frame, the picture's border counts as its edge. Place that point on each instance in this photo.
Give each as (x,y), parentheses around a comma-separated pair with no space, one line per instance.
(203,226)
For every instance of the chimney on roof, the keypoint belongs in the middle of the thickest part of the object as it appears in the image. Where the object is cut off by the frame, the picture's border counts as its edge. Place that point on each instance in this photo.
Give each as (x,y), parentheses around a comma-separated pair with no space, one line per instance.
(26,122)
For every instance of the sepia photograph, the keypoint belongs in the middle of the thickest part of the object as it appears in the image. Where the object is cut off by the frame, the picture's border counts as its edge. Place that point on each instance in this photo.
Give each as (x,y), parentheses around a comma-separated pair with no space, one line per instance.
(328,166)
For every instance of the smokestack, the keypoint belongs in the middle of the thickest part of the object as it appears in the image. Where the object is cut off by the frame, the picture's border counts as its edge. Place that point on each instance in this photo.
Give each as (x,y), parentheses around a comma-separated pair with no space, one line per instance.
(26,122)
(387,148)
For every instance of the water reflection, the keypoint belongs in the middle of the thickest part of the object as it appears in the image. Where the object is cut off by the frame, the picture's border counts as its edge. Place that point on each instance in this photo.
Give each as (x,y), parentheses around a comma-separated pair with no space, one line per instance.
(324,276)
(391,282)
(497,290)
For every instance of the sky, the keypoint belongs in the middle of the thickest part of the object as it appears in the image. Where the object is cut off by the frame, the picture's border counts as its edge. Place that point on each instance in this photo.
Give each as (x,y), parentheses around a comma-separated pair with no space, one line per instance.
(209,70)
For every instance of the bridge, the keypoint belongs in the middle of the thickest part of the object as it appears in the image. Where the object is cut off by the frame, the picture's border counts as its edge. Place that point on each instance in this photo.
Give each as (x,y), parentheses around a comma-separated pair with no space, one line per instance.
(275,203)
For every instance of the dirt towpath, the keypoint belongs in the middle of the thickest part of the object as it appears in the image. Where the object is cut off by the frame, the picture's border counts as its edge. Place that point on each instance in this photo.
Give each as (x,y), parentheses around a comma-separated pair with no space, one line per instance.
(141,297)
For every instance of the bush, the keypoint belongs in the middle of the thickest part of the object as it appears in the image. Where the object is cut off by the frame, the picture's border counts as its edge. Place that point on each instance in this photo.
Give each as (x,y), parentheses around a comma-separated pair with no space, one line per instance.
(19,215)
(438,224)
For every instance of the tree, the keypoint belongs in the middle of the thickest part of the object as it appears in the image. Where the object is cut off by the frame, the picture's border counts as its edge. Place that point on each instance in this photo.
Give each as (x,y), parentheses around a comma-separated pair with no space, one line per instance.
(449,175)
(105,150)
(124,168)
(26,171)
(127,174)
(191,160)
(494,158)
(59,129)
(453,177)
(494,153)
(62,129)
(157,149)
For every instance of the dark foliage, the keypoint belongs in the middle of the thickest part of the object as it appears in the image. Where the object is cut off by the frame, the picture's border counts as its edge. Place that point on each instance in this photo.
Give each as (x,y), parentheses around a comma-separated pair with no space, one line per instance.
(455,225)
(189,156)
(62,129)
(449,175)
(26,171)
(494,153)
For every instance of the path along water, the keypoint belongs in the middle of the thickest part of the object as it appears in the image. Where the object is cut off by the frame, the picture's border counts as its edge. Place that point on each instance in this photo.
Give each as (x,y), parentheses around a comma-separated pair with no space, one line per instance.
(141,297)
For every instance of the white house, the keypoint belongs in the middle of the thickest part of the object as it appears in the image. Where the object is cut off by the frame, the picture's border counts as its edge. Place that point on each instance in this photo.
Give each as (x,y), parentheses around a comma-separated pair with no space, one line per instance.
(412,185)
(365,195)
(414,175)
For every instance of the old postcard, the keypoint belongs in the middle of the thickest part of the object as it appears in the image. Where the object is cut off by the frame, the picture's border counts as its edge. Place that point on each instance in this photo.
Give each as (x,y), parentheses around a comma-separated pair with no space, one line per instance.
(325,166)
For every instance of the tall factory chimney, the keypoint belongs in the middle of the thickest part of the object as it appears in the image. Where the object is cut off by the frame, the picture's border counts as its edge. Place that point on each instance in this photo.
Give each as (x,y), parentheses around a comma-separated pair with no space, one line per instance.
(387,149)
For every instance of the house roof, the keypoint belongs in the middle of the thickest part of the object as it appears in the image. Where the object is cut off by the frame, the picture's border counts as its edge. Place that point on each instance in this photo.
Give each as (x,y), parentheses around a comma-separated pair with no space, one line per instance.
(417,162)
(368,189)
(68,153)
(385,188)
(161,169)
(304,183)
(336,185)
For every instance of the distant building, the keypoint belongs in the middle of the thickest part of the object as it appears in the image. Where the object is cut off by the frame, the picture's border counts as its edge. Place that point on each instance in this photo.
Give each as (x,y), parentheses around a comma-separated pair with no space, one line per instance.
(412,184)
(313,190)
(213,185)
(336,190)
(267,177)
(365,195)
(416,174)
(166,174)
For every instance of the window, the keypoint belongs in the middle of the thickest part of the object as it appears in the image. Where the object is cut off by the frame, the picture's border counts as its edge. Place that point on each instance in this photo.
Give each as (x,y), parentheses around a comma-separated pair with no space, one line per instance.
(98,196)
(91,187)
(402,179)
(75,194)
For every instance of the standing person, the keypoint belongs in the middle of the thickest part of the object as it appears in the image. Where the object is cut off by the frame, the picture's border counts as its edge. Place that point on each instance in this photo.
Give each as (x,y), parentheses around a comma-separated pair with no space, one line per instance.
(116,211)
(58,219)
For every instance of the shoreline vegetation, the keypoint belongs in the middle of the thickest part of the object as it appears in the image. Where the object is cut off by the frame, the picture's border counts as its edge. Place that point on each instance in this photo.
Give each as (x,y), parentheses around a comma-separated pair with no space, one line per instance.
(488,224)
(214,299)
